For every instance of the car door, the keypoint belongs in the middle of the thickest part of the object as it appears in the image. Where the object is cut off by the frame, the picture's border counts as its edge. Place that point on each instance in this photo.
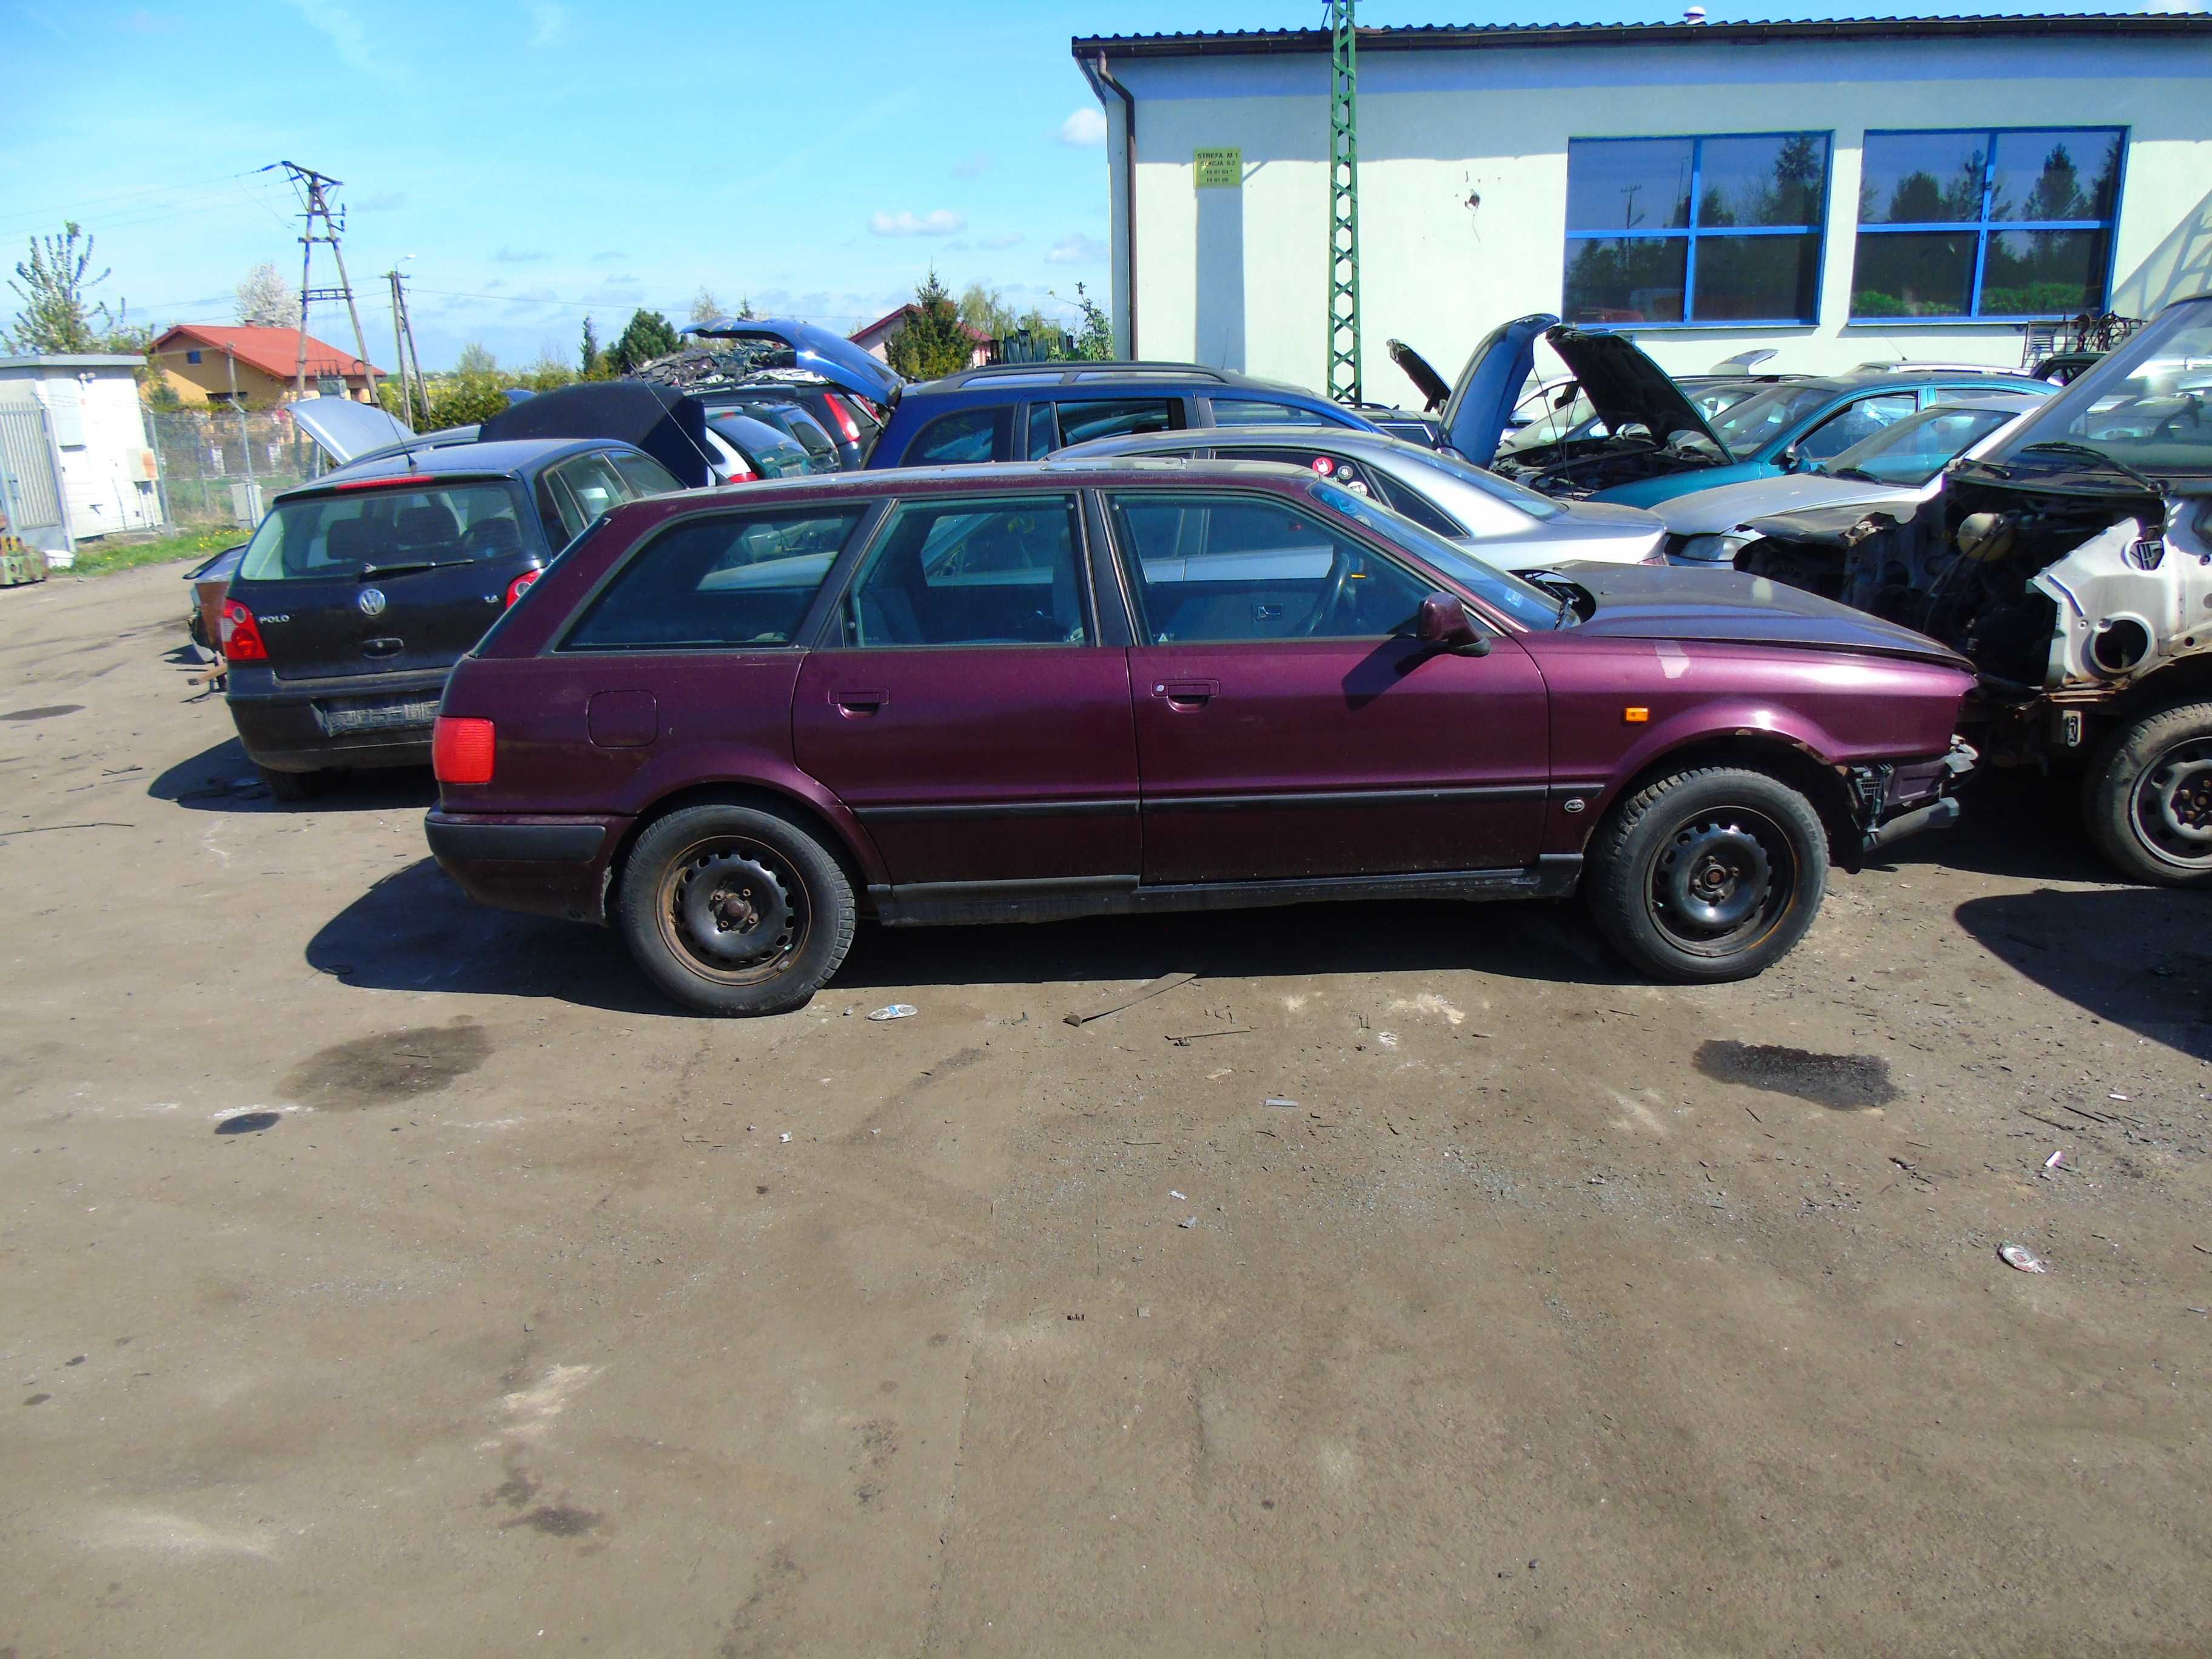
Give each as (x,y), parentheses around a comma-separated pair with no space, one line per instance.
(1289,726)
(963,707)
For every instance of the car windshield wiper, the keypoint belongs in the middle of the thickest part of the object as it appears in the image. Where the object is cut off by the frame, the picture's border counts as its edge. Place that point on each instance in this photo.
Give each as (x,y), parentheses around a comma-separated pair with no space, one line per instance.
(2110,463)
(408,566)
(1858,472)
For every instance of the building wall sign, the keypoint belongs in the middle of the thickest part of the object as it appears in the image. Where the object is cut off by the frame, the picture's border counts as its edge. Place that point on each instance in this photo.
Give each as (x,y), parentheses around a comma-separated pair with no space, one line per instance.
(1218,169)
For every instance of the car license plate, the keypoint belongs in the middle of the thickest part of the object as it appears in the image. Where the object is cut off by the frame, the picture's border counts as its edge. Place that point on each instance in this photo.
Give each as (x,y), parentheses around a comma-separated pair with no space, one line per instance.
(353,714)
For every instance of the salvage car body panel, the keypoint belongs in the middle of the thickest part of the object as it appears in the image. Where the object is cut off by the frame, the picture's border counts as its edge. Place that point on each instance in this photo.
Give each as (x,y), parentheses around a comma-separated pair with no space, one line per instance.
(832,357)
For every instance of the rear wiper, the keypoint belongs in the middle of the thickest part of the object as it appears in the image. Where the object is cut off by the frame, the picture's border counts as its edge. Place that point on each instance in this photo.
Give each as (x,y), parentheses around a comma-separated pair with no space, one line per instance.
(2111,463)
(406,567)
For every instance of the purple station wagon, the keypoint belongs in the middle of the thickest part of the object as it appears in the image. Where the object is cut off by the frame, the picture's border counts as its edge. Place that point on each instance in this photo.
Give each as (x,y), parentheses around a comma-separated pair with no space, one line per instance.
(733,723)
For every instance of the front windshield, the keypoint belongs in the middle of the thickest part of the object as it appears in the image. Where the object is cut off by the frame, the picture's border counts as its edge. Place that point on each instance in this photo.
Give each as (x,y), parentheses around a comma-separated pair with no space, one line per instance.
(2144,406)
(1912,451)
(404,525)
(1504,592)
(1550,424)
(1767,416)
(1518,496)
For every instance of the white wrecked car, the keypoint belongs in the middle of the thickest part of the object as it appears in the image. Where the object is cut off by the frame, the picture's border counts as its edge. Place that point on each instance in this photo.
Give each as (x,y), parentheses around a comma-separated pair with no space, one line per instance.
(2071,559)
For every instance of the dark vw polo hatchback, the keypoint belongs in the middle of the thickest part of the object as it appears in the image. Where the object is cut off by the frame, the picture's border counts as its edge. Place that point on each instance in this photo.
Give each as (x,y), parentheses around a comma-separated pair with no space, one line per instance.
(359,591)
(735,722)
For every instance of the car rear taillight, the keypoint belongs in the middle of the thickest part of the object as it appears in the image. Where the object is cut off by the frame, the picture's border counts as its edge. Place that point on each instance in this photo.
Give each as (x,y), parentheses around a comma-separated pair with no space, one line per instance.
(521,584)
(241,634)
(843,416)
(461,750)
(1656,555)
(741,470)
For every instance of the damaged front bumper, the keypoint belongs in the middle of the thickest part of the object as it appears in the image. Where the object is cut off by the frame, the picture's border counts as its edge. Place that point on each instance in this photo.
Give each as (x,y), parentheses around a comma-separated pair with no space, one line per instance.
(1893,801)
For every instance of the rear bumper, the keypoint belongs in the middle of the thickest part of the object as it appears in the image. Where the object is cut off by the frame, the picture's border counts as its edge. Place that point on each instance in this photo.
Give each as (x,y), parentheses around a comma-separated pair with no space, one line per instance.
(549,866)
(362,719)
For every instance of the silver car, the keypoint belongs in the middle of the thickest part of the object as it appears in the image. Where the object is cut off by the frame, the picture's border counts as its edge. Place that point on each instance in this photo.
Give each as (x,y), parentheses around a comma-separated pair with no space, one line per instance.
(1893,470)
(1508,526)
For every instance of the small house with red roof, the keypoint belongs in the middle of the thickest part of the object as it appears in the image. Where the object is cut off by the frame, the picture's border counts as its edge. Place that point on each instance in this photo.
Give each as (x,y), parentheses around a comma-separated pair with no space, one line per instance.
(253,367)
(875,339)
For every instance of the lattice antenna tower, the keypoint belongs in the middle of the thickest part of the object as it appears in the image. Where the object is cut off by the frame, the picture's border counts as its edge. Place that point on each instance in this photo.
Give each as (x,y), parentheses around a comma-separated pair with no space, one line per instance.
(1343,366)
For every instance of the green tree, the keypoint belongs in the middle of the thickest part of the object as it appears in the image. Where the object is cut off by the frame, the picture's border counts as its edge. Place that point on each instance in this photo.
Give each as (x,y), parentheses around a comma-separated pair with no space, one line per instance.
(591,362)
(476,359)
(933,343)
(648,335)
(986,308)
(705,308)
(1094,334)
(53,285)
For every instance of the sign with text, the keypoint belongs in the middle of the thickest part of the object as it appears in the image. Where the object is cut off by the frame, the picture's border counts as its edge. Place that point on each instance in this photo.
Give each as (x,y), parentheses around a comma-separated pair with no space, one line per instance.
(1219,169)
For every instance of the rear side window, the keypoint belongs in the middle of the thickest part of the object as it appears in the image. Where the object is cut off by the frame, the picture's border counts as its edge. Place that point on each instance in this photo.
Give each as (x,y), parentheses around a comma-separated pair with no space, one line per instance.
(722,582)
(574,492)
(1255,411)
(967,434)
(972,572)
(1119,417)
(644,474)
(357,533)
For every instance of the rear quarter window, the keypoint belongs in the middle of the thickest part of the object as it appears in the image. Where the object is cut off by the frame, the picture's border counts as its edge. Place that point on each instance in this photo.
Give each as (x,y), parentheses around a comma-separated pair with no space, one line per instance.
(725,582)
(965,435)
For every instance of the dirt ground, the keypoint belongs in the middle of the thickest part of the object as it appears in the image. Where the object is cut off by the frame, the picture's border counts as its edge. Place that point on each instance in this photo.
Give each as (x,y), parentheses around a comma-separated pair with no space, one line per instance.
(382,1274)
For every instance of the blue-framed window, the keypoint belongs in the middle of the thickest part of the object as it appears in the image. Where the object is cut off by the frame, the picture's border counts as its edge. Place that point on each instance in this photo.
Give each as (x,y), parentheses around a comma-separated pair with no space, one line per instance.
(193,357)
(1689,231)
(2007,224)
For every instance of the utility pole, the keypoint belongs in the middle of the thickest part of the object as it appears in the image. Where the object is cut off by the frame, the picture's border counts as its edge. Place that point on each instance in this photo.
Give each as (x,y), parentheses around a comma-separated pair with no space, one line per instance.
(1344,376)
(403,351)
(314,189)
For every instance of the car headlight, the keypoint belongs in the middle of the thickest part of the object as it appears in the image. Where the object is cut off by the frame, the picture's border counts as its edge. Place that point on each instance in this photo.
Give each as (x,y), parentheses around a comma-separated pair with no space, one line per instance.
(1719,548)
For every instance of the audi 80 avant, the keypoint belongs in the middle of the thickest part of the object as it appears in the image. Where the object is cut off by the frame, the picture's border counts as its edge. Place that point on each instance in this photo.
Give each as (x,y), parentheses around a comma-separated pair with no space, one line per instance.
(732,723)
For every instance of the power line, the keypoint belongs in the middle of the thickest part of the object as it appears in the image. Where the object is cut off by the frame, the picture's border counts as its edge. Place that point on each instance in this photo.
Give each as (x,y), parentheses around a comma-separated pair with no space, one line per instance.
(71,210)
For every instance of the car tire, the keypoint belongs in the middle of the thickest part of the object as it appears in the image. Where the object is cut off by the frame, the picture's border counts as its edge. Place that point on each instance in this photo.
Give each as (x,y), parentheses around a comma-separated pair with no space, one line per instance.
(2147,798)
(1707,875)
(293,787)
(735,910)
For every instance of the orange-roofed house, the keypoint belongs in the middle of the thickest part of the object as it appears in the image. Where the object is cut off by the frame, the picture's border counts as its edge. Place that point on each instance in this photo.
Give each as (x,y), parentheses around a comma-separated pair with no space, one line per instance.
(253,367)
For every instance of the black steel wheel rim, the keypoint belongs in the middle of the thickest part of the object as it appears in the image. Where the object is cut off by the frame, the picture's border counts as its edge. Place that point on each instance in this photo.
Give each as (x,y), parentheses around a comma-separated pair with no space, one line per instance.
(2172,804)
(1722,881)
(733,909)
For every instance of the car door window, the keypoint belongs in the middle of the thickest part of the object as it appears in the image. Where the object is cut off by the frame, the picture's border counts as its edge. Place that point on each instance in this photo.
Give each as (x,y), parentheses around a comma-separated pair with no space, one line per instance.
(1222,569)
(1116,417)
(1854,421)
(1001,572)
(644,474)
(1258,411)
(965,435)
(725,581)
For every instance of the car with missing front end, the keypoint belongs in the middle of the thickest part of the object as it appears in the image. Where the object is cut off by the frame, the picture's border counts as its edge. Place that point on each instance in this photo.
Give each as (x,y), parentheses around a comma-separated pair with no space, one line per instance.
(2070,559)
(734,723)
(357,592)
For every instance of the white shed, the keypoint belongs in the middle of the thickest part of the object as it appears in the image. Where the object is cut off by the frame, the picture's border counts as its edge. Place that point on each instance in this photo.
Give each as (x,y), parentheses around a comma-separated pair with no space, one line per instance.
(98,434)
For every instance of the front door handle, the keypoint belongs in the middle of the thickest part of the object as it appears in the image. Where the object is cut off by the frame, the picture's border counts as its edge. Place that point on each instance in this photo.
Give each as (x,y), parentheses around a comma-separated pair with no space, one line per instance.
(1188,694)
(859,705)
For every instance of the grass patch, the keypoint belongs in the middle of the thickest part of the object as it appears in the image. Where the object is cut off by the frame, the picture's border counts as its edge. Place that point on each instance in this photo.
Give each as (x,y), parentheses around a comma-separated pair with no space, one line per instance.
(107,556)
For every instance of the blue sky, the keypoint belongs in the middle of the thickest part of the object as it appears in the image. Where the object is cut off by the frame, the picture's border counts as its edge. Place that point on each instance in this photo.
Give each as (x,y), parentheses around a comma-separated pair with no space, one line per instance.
(542,159)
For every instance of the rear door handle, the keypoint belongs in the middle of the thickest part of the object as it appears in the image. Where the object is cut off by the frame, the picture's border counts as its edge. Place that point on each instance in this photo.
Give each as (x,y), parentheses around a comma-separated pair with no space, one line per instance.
(1188,694)
(859,705)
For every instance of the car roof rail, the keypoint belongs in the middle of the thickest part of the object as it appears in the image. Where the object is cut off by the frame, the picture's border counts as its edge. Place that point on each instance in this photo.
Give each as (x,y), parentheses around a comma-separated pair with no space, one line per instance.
(1089,368)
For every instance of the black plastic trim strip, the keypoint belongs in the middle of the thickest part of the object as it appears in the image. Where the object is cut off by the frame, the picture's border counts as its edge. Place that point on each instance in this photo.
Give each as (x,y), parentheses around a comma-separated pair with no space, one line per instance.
(1308,798)
(513,843)
(1126,807)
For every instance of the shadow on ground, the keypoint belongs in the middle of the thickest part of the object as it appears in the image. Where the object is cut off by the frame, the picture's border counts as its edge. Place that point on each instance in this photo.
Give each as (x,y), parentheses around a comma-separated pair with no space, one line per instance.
(2139,957)
(2018,823)
(222,780)
(417,931)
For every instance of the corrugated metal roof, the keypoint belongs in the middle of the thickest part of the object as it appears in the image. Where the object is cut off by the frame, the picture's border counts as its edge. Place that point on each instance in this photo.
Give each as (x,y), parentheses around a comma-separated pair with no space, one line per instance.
(1456,36)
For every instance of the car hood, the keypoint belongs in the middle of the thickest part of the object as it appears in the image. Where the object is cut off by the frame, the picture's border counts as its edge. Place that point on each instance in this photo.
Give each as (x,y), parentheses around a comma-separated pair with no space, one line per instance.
(1480,404)
(662,421)
(1705,511)
(1642,602)
(1418,369)
(344,429)
(1624,384)
(817,350)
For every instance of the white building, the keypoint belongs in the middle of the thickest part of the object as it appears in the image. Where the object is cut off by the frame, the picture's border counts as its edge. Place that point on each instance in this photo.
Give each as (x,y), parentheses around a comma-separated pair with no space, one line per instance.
(1835,191)
(95,432)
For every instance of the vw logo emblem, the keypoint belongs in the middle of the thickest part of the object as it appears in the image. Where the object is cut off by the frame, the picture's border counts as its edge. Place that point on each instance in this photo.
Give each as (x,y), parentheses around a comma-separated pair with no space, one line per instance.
(371,601)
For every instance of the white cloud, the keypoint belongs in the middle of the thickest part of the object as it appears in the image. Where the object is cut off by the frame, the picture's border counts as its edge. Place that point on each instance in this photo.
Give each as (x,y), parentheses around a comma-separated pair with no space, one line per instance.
(1076,249)
(1006,239)
(943,222)
(1085,129)
(520,256)
(348,36)
(548,22)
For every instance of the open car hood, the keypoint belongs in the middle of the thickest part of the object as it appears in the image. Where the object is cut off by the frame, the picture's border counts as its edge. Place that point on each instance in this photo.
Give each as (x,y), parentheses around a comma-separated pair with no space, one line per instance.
(1489,385)
(343,429)
(1623,385)
(1434,393)
(1648,602)
(817,350)
(657,419)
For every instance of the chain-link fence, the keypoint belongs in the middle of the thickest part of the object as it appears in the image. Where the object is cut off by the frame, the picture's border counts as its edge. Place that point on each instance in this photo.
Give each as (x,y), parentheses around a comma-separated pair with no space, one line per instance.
(221,466)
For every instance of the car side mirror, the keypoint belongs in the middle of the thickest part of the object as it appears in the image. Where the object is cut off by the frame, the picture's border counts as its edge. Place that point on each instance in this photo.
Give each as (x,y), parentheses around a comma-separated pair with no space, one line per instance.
(1792,460)
(1442,623)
